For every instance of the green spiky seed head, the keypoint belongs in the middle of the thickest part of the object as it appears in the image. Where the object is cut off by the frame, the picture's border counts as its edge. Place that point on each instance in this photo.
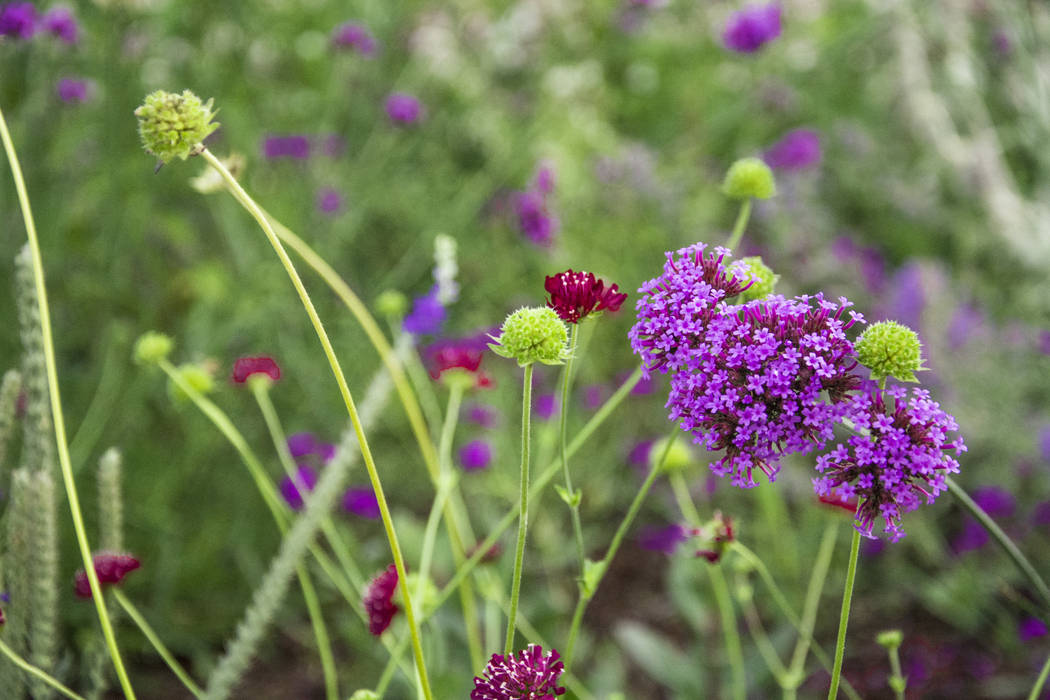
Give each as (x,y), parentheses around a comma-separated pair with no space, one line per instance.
(764,278)
(890,349)
(533,335)
(173,125)
(152,347)
(392,303)
(890,639)
(749,177)
(197,376)
(679,456)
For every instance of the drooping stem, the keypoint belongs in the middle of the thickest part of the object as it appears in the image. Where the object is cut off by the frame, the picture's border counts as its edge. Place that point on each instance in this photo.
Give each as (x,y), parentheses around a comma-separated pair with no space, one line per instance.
(523,509)
(740,225)
(373,474)
(155,640)
(574,503)
(65,463)
(36,672)
(847,599)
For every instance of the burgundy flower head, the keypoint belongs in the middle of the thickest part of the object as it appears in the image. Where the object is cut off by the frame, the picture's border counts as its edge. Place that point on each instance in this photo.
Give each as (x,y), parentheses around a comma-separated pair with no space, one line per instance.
(379,600)
(245,367)
(110,567)
(531,675)
(2,620)
(456,354)
(575,295)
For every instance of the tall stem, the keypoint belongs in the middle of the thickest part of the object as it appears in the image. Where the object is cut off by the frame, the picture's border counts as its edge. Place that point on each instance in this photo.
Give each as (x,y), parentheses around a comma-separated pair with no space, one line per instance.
(847,599)
(740,225)
(56,413)
(809,609)
(1040,681)
(36,672)
(155,640)
(366,453)
(523,509)
(574,504)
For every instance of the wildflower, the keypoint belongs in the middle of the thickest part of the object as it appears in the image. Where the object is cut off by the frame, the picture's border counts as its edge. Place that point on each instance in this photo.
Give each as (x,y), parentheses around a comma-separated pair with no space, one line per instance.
(59,22)
(482,414)
(675,308)
(404,109)
(354,36)
(301,444)
(152,347)
(245,367)
(890,639)
(71,90)
(749,29)
(752,382)
(427,314)
(721,536)
(378,601)
(534,219)
(533,335)
(797,150)
(665,539)
(361,501)
(453,359)
(1031,628)
(475,455)
(901,458)
(966,322)
(329,201)
(749,177)
(889,349)
(576,295)
(110,568)
(18,20)
(594,395)
(547,406)
(2,620)
(543,182)
(530,675)
(294,146)
(305,478)
(174,126)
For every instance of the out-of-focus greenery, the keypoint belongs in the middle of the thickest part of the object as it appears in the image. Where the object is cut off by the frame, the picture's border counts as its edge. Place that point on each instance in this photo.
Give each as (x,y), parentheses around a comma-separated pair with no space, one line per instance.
(929,206)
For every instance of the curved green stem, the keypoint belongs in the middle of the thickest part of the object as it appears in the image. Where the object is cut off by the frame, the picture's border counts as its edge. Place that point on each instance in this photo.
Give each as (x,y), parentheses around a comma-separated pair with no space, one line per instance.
(65,463)
(366,453)
(36,672)
(574,503)
(847,599)
(809,608)
(1040,681)
(740,225)
(523,508)
(154,639)
(765,646)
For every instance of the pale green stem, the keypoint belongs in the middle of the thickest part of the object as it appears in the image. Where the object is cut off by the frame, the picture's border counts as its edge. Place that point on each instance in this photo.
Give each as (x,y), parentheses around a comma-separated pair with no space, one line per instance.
(154,639)
(897,681)
(765,647)
(56,413)
(523,508)
(603,566)
(574,505)
(809,609)
(36,672)
(847,599)
(391,666)
(1040,681)
(740,225)
(395,548)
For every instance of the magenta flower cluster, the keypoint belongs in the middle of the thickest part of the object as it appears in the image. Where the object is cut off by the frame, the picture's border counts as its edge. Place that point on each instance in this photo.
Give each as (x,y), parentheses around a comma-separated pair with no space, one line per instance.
(19,20)
(529,675)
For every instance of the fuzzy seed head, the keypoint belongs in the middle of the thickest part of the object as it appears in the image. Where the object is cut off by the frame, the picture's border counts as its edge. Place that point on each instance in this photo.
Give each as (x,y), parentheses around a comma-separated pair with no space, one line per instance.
(890,349)
(763,279)
(152,347)
(533,335)
(173,125)
(749,177)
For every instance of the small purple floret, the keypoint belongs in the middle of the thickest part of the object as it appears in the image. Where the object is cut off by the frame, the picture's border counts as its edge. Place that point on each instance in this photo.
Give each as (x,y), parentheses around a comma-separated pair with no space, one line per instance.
(427,314)
(70,90)
(404,109)
(361,501)
(663,539)
(290,490)
(752,27)
(18,20)
(475,455)
(799,149)
(59,22)
(355,37)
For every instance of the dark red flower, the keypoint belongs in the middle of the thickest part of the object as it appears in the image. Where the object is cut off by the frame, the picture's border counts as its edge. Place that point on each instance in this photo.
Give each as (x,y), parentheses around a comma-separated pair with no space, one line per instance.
(379,603)
(110,567)
(245,367)
(2,620)
(456,354)
(574,295)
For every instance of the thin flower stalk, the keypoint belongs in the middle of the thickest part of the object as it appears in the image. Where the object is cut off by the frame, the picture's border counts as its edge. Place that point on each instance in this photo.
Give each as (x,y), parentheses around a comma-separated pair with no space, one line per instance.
(58,419)
(740,225)
(36,672)
(523,508)
(847,599)
(1037,688)
(796,668)
(758,633)
(155,640)
(573,500)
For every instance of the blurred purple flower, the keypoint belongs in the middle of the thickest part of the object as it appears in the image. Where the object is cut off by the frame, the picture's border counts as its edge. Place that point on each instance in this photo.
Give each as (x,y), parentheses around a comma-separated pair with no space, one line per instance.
(1002,44)
(663,539)
(295,146)
(18,20)
(907,298)
(544,180)
(59,22)
(1044,442)
(1041,514)
(797,150)
(482,414)
(966,321)
(71,90)
(644,387)
(332,145)
(1044,342)
(325,450)
(995,501)
(356,37)
(593,396)
(361,501)
(329,201)
(427,314)
(972,536)
(1031,628)
(305,476)
(404,109)
(749,29)
(546,406)
(475,455)
(639,454)
(534,220)
(301,444)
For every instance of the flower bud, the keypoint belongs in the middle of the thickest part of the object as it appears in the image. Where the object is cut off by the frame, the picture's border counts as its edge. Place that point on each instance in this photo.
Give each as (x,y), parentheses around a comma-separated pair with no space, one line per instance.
(763,279)
(152,347)
(890,639)
(890,349)
(749,177)
(533,335)
(392,303)
(174,126)
(197,376)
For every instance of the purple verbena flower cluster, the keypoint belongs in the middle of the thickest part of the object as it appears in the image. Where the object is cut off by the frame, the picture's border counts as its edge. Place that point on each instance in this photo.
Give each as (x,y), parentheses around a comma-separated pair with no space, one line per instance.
(530,675)
(531,207)
(898,459)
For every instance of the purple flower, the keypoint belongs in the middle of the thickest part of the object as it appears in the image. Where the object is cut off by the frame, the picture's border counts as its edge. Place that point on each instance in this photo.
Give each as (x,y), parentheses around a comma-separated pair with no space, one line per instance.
(110,569)
(361,501)
(546,406)
(996,502)
(329,201)
(544,180)
(797,150)
(379,600)
(306,478)
(664,539)
(749,29)
(973,536)
(73,90)
(482,414)
(1043,342)
(404,109)
(1031,628)
(475,455)
(908,297)
(427,314)
(18,20)
(576,295)
(1044,442)
(295,146)
(59,22)
(639,455)
(594,396)
(1041,514)
(354,36)
(965,322)
(301,444)
(529,675)
(900,458)
(534,220)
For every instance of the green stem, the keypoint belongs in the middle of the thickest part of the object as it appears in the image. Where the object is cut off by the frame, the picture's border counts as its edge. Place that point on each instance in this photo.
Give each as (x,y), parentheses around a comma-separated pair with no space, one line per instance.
(36,672)
(154,639)
(847,599)
(740,225)
(523,508)
(56,413)
(366,453)
(574,504)
(809,608)
(897,681)
(1040,681)
(758,633)
(603,566)
(1001,538)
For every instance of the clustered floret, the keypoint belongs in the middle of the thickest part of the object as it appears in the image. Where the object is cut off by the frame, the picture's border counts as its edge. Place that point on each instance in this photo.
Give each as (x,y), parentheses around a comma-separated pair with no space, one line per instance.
(576,295)
(530,675)
(379,600)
